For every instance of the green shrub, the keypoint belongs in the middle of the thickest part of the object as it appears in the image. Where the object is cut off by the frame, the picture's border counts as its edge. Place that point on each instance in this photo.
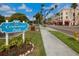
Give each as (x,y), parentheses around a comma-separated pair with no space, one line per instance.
(13,42)
(19,43)
(2,48)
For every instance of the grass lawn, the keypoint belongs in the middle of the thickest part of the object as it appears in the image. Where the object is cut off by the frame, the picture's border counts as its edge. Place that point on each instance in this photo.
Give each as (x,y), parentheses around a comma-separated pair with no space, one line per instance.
(37,40)
(33,36)
(71,42)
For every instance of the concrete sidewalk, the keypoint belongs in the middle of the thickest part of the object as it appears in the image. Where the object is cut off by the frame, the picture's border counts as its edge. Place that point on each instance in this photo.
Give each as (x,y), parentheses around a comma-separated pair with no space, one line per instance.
(53,46)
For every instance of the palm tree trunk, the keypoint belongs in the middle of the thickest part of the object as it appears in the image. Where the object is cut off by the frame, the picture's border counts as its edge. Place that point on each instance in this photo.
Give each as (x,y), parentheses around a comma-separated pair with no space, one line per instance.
(74,17)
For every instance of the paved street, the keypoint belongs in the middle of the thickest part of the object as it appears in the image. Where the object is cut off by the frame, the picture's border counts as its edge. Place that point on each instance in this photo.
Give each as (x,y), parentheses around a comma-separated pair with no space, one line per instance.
(53,46)
(66,29)
(2,35)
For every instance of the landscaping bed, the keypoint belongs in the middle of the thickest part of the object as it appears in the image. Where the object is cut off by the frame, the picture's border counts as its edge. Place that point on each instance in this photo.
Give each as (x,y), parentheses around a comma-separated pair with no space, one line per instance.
(17,47)
(16,51)
(69,41)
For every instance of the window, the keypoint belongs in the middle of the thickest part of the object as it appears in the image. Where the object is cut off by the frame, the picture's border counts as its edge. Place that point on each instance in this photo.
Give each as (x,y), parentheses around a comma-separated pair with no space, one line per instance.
(66,17)
(66,13)
(73,14)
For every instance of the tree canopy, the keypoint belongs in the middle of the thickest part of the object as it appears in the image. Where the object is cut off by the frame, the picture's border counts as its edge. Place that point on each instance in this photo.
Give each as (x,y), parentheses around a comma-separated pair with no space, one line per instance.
(39,18)
(74,5)
(19,16)
(2,19)
(58,14)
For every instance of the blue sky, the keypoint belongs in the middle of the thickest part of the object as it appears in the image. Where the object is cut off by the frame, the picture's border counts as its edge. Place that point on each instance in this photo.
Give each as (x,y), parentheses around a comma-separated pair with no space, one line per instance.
(29,9)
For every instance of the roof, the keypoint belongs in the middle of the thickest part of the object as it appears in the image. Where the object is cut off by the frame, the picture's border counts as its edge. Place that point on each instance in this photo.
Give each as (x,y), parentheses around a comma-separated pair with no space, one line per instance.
(68,9)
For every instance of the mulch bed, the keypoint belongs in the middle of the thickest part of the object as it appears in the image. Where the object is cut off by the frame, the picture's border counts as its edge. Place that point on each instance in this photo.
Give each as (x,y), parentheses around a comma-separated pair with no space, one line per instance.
(16,51)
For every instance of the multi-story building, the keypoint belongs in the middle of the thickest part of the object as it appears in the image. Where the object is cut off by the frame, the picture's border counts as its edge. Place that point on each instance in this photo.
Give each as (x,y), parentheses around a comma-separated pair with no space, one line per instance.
(66,17)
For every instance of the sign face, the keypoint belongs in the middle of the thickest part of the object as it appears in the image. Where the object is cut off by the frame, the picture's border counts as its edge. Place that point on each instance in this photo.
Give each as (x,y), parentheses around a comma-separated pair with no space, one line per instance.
(14,26)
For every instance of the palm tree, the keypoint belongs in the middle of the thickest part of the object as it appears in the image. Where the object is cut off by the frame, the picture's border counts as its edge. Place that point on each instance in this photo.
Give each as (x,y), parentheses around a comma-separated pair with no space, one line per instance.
(55,6)
(58,14)
(74,6)
(42,9)
(39,18)
(49,11)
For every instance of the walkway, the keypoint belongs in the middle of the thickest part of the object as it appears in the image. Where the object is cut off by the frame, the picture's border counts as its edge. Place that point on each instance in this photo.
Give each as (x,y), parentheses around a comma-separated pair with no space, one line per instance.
(53,46)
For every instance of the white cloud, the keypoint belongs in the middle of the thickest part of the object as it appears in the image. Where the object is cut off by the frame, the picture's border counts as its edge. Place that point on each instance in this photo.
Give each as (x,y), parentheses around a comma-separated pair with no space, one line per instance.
(52,6)
(49,15)
(46,12)
(30,18)
(6,10)
(67,6)
(25,8)
(22,7)
(11,12)
(14,8)
(64,7)
(28,10)
(7,15)
(46,8)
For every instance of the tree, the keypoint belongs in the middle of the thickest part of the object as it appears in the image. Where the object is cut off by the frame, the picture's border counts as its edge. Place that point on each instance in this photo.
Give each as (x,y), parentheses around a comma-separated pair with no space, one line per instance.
(2,19)
(55,6)
(49,19)
(58,14)
(19,16)
(74,6)
(42,10)
(39,18)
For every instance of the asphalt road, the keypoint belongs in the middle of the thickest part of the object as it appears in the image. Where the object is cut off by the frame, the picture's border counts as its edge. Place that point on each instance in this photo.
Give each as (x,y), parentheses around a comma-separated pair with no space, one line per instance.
(2,35)
(66,29)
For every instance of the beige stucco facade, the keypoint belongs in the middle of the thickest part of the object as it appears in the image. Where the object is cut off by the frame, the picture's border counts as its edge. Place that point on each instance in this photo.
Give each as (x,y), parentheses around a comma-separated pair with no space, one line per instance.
(67,15)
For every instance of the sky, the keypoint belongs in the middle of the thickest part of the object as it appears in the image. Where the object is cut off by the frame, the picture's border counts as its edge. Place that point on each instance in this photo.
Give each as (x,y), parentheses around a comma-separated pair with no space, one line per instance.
(30,9)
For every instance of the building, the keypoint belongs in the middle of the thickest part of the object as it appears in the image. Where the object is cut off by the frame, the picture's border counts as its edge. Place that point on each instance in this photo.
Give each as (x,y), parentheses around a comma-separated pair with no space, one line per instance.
(66,17)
